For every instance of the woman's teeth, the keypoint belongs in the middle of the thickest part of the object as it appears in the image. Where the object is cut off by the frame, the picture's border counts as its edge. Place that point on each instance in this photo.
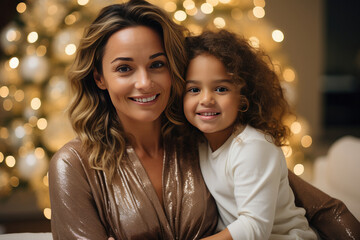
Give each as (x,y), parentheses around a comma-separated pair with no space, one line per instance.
(144,100)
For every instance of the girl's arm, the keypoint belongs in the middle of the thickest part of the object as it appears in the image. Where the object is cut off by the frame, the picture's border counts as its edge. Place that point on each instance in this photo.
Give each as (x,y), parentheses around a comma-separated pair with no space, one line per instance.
(74,212)
(256,170)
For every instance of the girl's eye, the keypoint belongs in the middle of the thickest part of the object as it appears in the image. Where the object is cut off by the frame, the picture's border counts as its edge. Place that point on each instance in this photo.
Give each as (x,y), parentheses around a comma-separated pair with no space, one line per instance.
(194,90)
(157,64)
(123,69)
(221,89)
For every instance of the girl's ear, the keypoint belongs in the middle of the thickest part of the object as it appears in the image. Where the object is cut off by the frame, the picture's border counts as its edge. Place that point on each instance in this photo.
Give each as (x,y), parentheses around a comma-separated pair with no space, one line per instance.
(99,80)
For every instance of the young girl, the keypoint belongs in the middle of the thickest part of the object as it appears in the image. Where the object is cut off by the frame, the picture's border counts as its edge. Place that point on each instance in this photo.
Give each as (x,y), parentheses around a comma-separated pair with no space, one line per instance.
(236,101)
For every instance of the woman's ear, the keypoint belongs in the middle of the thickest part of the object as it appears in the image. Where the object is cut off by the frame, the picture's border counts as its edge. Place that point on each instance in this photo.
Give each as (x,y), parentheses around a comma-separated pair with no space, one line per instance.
(99,80)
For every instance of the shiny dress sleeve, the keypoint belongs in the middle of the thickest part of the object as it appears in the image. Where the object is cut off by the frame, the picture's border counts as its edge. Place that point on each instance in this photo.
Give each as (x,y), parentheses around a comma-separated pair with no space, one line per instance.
(74,211)
(329,216)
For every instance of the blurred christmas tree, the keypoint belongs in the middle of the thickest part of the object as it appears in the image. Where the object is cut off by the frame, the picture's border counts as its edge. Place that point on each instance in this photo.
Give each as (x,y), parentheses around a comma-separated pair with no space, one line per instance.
(40,43)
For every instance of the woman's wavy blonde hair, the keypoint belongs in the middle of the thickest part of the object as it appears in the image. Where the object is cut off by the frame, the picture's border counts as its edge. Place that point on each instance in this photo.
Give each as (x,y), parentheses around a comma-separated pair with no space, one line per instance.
(92,114)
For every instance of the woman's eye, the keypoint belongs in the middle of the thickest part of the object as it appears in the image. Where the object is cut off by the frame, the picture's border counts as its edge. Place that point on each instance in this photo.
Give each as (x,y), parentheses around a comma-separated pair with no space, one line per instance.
(221,89)
(194,90)
(123,69)
(157,64)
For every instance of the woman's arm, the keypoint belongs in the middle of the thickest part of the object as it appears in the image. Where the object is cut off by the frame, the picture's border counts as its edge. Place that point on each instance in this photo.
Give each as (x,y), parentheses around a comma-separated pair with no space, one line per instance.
(329,216)
(74,212)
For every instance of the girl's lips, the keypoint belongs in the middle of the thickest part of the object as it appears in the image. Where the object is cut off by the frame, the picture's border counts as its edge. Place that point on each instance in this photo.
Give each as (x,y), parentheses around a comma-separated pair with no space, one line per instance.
(208,115)
(145,99)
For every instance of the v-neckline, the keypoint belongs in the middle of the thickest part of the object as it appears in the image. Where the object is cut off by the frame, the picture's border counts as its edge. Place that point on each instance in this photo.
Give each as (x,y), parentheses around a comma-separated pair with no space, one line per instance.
(148,187)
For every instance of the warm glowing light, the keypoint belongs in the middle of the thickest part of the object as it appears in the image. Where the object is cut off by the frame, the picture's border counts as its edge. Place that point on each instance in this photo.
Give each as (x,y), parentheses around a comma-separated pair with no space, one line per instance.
(188,4)
(19,95)
(10,161)
(47,213)
(219,22)
(11,35)
(7,104)
(39,152)
(14,181)
(170,7)
(82,2)
(306,141)
(180,15)
(32,37)
(52,9)
(299,169)
(192,12)
(259,3)
(19,132)
(35,103)
(14,62)
(287,150)
(277,36)
(225,1)
(1,157)
(295,127)
(258,12)
(213,2)
(33,121)
(70,19)
(42,123)
(289,75)
(70,49)
(195,29)
(206,8)
(41,50)
(4,91)
(21,7)
(4,133)
(254,41)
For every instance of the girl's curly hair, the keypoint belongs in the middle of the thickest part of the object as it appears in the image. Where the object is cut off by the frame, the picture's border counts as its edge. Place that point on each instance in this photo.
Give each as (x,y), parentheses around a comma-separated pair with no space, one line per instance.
(262,105)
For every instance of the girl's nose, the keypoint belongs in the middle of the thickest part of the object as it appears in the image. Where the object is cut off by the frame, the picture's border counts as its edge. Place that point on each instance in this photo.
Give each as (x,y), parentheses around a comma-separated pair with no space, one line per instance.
(143,80)
(207,98)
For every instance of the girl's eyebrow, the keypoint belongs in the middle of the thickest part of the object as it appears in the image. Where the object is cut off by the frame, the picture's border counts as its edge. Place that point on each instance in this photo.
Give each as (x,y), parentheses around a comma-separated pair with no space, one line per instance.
(215,81)
(131,59)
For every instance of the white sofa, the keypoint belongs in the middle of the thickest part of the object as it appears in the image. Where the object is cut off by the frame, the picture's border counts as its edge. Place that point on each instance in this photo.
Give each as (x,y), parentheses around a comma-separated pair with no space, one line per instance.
(338,173)
(26,236)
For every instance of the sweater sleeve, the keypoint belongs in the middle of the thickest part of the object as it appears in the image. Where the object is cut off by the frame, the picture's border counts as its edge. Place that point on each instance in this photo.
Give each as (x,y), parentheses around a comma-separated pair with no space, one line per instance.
(256,170)
(74,212)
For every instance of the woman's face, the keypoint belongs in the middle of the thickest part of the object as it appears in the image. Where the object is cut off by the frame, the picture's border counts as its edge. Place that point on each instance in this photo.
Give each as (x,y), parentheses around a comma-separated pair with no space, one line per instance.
(136,74)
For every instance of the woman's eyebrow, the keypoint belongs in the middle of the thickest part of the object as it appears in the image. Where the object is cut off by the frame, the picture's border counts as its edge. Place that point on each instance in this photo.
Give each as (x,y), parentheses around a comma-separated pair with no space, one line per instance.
(156,55)
(123,59)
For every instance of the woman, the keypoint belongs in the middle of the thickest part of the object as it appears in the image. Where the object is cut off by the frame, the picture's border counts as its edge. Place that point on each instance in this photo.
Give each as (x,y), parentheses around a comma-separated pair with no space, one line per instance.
(128,173)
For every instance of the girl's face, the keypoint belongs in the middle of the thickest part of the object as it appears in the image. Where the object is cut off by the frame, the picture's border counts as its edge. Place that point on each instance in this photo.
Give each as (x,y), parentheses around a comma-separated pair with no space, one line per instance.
(211,101)
(136,74)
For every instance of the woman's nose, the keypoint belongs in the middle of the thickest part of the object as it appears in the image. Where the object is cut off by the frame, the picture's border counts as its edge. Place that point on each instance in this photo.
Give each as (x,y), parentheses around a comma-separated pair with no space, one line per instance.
(143,80)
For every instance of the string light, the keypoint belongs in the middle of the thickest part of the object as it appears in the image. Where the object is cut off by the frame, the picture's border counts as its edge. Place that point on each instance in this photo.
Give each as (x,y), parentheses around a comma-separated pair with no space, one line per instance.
(188,4)
(170,7)
(299,169)
(219,22)
(14,62)
(14,181)
(180,15)
(82,2)
(254,42)
(32,37)
(4,91)
(10,161)
(213,2)
(21,7)
(206,8)
(42,123)
(1,157)
(289,75)
(259,3)
(295,127)
(70,49)
(47,213)
(306,141)
(278,36)
(35,103)
(258,12)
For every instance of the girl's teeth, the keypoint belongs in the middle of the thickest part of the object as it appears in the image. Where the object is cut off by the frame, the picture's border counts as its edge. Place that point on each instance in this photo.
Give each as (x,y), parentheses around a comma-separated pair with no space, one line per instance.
(209,114)
(144,100)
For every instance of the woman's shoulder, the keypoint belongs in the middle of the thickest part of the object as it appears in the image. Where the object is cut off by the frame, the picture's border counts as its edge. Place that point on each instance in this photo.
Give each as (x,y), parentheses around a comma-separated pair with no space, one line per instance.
(71,154)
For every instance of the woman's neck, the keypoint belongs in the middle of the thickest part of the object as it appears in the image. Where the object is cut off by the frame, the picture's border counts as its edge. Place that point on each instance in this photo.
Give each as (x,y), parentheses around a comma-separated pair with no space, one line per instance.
(145,138)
